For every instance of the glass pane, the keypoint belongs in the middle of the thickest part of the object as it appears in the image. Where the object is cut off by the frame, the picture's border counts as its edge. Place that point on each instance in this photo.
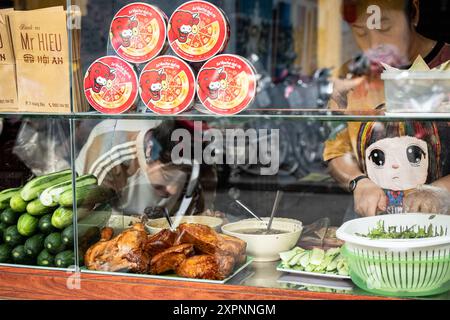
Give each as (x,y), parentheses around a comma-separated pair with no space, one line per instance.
(307,56)
(237,173)
(175,187)
(36,230)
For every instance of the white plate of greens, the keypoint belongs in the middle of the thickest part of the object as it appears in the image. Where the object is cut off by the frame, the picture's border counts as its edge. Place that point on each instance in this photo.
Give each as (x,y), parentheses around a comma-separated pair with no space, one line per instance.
(316,262)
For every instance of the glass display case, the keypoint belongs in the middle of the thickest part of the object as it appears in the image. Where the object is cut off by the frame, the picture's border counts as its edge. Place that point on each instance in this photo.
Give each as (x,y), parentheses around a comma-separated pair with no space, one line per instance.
(145,186)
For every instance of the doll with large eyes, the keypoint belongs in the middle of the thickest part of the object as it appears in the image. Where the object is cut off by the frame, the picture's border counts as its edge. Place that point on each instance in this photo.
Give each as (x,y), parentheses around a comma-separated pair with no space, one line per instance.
(400,157)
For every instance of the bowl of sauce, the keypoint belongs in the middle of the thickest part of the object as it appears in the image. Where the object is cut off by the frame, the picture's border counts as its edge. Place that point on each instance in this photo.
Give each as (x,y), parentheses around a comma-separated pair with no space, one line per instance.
(265,245)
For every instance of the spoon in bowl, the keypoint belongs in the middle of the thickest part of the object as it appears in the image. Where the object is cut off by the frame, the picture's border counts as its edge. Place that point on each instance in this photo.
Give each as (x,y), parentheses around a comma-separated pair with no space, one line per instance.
(169,219)
(274,209)
(249,211)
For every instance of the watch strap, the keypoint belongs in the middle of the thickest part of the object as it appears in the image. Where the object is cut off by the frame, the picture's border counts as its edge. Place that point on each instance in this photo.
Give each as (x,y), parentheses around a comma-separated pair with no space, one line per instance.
(353,184)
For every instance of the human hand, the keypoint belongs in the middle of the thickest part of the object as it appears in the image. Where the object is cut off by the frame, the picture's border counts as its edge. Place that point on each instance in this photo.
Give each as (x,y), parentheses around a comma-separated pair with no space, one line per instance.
(369,198)
(216,214)
(428,199)
(211,213)
(341,88)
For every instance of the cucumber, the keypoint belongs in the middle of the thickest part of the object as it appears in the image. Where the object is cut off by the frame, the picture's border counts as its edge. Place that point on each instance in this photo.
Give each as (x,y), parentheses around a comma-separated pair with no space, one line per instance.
(36,186)
(20,256)
(45,224)
(65,259)
(34,245)
(36,208)
(51,195)
(12,236)
(2,230)
(5,253)
(27,225)
(67,236)
(45,259)
(317,256)
(62,218)
(9,217)
(87,196)
(53,243)
(5,197)
(17,203)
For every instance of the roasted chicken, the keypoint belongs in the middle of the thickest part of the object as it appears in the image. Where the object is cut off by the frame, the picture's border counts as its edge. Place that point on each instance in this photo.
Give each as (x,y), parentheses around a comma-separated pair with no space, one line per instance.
(240,247)
(161,241)
(213,267)
(171,258)
(192,251)
(208,241)
(126,252)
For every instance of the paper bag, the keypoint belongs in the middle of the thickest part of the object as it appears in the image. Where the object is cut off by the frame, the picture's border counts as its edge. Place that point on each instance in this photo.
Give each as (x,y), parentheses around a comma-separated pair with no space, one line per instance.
(42,60)
(8,87)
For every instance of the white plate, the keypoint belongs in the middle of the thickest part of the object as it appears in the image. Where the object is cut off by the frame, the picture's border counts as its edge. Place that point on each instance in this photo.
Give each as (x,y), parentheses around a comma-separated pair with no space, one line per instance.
(312,281)
(314,274)
(175,277)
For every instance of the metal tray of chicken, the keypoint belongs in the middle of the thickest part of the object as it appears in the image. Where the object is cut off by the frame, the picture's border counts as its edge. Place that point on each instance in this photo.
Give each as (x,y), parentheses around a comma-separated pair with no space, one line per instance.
(175,277)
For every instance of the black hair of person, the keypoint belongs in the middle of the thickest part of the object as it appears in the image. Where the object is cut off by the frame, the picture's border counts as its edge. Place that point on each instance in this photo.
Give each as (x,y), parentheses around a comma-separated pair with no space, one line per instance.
(351,9)
(161,138)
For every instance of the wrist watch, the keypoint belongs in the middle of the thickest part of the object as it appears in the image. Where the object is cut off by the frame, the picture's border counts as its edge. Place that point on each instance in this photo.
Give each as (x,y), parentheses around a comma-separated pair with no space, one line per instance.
(354,183)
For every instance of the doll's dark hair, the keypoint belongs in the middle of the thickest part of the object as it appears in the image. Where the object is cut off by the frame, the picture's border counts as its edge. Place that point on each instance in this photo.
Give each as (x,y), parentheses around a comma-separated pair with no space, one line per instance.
(427,131)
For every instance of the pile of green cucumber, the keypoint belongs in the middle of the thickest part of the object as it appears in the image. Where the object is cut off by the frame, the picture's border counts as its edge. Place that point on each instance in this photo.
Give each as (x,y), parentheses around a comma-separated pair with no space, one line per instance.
(316,260)
(36,221)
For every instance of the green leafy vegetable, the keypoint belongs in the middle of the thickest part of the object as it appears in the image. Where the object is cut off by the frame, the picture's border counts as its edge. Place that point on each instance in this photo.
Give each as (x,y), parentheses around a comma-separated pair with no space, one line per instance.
(395,232)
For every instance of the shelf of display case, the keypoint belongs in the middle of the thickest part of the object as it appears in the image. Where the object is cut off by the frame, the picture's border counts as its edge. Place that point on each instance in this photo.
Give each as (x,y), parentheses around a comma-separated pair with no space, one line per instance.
(316,115)
(287,184)
(29,283)
(261,281)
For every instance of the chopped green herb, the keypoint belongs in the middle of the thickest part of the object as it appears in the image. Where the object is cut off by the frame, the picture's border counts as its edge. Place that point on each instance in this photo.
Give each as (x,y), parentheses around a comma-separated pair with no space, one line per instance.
(394,232)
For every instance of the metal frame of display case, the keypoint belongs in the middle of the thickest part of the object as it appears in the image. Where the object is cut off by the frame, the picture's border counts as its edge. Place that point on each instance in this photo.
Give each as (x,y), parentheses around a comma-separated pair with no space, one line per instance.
(23,282)
(27,282)
(34,283)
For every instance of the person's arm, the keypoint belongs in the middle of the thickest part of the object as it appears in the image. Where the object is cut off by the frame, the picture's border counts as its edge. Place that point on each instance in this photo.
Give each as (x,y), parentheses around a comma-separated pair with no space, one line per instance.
(341,88)
(443,183)
(343,167)
(369,197)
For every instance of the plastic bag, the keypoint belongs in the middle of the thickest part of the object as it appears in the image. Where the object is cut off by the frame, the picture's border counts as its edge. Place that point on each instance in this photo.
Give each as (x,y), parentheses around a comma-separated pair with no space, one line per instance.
(44,145)
(428,199)
(319,234)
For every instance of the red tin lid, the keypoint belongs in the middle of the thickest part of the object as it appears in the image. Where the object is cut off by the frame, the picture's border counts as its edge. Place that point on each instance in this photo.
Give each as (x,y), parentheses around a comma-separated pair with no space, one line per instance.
(198,30)
(226,84)
(138,32)
(110,85)
(167,85)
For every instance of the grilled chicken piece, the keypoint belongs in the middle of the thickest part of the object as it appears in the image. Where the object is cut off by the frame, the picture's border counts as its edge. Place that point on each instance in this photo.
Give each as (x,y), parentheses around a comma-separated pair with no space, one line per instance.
(241,247)
(238,245)
(160,242)
(208,241)
(126,252)
(169,259)
(211,267)
(106,234)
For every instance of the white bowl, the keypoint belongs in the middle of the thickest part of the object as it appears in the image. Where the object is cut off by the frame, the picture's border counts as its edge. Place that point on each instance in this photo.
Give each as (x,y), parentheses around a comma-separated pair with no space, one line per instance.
(266,247)
(156,225)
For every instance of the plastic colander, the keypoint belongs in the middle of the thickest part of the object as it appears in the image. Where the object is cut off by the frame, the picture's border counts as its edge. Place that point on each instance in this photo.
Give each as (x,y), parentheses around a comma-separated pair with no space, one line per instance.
(399,267)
